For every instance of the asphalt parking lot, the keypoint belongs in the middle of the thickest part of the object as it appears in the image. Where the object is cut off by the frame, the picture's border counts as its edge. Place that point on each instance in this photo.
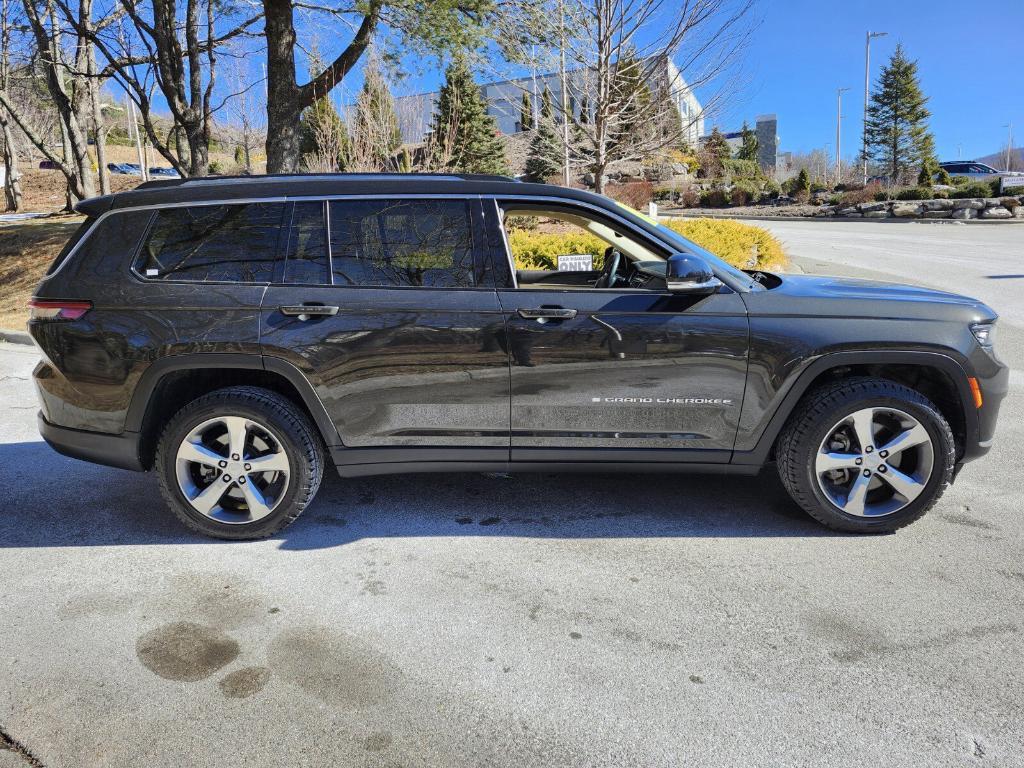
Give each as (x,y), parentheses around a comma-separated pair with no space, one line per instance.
(449,620)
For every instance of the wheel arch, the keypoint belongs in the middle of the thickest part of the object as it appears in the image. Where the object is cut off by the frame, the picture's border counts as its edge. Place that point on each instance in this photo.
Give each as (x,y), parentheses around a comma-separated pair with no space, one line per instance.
(939,376)
(171,382)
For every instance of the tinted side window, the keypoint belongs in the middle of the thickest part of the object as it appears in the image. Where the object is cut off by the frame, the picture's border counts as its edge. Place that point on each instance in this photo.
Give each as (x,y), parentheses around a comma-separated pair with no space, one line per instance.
(213,243)
(307,246)
(108,247)
(401,243)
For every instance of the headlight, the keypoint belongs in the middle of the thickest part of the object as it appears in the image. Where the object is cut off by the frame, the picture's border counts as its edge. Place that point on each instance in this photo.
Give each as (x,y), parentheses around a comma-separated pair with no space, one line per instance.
(985,333)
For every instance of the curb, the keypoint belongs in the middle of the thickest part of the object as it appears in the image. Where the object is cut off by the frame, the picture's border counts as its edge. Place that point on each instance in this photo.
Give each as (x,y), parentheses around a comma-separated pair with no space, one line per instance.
(15,337)
(887,220)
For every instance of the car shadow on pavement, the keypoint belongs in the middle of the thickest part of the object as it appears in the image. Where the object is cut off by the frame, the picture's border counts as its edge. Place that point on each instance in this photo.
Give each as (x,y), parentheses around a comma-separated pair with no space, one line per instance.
(53,501)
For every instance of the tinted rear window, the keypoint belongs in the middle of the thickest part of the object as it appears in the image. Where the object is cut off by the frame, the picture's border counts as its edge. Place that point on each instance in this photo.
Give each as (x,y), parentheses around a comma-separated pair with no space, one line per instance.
(213,243)
(401,243)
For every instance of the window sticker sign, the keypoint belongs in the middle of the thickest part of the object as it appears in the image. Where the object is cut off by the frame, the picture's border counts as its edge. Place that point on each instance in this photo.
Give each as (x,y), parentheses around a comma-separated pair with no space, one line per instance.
(575,262)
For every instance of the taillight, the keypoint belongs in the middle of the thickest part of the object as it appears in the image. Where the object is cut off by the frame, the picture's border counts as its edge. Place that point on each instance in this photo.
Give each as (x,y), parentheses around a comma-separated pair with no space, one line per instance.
(45,309)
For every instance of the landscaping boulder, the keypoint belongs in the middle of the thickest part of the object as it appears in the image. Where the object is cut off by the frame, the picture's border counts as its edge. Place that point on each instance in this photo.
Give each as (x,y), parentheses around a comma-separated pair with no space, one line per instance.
(937,205)
(906,210)
(996,213)
(965,213)
(993,202)
(876,214)
(849,212)
(871,207)
(970,202)
(936,214)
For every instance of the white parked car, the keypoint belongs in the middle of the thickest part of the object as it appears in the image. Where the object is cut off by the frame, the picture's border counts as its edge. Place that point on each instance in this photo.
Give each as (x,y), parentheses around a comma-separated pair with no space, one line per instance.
(982,172)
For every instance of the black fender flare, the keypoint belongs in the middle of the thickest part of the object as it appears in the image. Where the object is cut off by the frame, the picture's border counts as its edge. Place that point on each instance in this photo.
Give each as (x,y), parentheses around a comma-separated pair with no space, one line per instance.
(952,366)
(151,377)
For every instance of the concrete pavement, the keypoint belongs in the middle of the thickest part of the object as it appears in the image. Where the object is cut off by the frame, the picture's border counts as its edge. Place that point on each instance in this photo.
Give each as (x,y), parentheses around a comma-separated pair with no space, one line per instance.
(444,620)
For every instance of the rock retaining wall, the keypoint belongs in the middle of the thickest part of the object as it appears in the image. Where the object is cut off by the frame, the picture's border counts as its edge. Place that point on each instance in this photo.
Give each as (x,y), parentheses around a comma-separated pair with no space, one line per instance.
(968,208)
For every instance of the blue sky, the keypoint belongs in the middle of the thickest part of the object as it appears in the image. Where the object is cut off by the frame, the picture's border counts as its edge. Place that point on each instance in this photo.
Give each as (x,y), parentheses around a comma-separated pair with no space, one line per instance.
(805,49)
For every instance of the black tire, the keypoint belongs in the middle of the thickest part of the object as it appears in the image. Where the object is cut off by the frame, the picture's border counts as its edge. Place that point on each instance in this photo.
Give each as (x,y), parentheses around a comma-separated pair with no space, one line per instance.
(809,425)
(298,439)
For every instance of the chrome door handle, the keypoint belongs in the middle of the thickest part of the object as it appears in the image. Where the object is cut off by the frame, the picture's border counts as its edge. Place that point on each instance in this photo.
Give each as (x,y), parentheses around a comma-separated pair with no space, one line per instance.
(306,311)
(548,313)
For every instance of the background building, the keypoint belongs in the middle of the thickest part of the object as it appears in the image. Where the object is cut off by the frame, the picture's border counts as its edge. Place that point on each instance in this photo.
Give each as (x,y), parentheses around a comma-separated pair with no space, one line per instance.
(504,100)
(766,127)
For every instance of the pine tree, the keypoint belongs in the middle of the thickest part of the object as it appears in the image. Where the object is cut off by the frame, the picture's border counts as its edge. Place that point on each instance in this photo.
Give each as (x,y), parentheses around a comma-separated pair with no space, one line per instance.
(547,108)
(748,149)
(544,159)
(526,113)
(463,136)
(630,99)
(717,144)
(375,131)
(803,182)
(323,137)
(897,134)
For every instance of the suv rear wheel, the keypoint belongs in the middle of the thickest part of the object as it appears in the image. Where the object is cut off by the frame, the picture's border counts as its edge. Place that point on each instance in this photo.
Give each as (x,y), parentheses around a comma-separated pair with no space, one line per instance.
(239,463)
(866,455)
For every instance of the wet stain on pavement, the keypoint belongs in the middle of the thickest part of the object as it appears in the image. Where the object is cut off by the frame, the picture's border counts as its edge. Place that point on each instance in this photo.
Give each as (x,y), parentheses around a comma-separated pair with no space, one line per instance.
(243,683)
(377,742)
(185,651)
(334,667)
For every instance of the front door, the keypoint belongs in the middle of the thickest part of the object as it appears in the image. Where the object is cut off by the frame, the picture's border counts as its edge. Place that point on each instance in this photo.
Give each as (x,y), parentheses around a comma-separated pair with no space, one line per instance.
(388,308)
(618,373)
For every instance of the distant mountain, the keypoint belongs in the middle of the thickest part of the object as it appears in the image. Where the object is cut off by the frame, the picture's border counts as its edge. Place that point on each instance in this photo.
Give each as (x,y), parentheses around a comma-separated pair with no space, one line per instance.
(998,159)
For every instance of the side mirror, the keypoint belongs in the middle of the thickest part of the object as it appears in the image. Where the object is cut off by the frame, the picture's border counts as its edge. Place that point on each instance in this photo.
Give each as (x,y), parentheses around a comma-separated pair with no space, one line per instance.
(690,274)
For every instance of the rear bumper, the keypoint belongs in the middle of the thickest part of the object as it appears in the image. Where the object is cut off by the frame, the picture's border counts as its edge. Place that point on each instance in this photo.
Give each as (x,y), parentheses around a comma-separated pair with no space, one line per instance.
(120,451)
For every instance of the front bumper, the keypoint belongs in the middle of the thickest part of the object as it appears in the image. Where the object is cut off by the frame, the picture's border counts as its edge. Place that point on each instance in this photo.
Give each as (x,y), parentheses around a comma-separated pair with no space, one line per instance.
(120,451)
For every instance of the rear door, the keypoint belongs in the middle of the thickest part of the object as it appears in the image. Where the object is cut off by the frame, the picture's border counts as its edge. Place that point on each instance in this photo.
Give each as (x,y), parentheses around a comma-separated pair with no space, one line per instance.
(388,307)
(620,374)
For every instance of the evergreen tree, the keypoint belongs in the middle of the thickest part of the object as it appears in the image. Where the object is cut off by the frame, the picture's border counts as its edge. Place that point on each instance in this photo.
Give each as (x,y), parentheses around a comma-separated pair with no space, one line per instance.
(463,136)
(545,158)
(927,175)
(375,131)
(748,149)
(547,107)
(802,186)
(718,145)
(404,161)
(323,137)
(897,132)
(526,113)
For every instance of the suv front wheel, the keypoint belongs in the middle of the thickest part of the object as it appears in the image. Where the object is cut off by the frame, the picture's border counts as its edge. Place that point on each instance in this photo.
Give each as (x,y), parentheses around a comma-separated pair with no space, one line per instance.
(866,455)
(239,463)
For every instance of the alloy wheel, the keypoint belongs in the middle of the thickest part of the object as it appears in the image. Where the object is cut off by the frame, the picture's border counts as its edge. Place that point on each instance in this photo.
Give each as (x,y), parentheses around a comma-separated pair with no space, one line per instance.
(874,462)
(232,469)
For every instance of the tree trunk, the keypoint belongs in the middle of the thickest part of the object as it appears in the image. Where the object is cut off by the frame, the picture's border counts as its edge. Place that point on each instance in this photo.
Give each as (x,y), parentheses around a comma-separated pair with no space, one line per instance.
(99,126)
(12,186)
(282,89)
(286,99)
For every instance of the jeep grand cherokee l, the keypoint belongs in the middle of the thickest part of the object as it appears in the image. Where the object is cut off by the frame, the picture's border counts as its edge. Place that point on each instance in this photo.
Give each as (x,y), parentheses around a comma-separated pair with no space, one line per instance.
(235,335)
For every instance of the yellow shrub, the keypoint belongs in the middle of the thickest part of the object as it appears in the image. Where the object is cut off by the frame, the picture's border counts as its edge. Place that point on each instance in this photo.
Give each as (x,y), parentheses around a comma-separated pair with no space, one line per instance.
(742,245)
(540,250)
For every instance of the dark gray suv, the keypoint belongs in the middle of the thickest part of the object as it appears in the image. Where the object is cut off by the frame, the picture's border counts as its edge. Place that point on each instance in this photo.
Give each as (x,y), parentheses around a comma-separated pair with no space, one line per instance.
(235,335)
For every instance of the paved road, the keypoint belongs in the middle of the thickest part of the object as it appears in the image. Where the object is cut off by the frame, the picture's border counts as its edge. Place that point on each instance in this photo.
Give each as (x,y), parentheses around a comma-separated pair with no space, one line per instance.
(569,621)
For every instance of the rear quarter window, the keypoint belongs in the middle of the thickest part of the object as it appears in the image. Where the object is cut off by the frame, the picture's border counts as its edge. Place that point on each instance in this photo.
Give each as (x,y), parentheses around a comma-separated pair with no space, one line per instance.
(102,247)
(213,243)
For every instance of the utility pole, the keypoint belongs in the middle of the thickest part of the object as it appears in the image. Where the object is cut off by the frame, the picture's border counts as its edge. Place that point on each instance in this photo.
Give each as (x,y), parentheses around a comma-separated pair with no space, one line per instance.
(143,166)
(839,124)
(566,104)
(1009,144)
(867,88)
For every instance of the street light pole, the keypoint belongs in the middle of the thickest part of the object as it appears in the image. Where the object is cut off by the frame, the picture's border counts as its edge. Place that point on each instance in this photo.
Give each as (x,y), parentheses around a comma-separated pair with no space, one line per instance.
(867,88)
(1009,144)
(839,123)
